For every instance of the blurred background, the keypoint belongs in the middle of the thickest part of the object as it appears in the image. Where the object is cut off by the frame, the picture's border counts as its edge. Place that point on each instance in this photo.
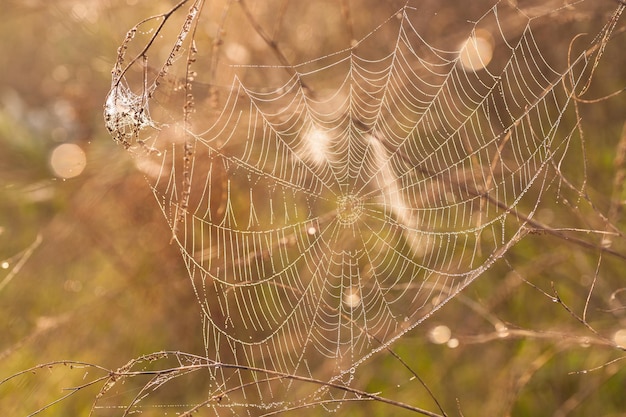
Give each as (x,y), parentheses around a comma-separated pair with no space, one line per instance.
(87,272)
(79,233)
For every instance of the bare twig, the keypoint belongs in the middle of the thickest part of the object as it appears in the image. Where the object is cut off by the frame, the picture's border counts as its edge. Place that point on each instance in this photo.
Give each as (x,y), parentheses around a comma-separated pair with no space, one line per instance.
(271,42)
(23,257)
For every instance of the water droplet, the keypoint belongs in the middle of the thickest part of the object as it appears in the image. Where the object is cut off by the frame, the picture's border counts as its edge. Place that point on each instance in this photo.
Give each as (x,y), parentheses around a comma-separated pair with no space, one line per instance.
(584,343)
(4,265)
(502,330)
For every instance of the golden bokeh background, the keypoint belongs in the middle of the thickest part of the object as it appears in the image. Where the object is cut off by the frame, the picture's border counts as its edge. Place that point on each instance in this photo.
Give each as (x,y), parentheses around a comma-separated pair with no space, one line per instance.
(87,271)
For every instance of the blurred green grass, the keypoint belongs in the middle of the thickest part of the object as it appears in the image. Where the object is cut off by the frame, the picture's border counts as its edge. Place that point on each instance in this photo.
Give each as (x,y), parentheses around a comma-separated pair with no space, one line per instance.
(91,290)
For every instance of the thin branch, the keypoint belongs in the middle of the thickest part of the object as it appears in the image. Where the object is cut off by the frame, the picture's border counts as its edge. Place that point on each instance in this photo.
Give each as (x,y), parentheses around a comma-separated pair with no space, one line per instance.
(115,376)
(274,47)
(118,72)
(23,257)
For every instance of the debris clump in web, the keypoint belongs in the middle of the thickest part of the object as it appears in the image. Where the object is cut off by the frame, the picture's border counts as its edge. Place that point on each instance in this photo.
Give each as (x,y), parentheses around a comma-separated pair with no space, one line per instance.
(126,115)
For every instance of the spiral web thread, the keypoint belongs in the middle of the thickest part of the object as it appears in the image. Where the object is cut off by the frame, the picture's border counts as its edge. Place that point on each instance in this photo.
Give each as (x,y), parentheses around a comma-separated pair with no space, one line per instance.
(324,216)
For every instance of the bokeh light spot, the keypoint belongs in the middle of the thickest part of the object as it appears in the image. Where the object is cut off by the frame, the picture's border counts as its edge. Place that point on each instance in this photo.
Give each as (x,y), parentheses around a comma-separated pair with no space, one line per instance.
(620,338)
(68,160)
(453,343)
(477,51)
(351,298)
(440,334)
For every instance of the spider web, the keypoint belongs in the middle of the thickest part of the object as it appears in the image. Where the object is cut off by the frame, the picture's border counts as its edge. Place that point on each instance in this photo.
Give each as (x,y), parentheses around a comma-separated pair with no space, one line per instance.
(325,209)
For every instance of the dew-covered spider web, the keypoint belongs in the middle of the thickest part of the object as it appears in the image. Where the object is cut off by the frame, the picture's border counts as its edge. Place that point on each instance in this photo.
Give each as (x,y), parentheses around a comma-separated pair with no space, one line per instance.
(334,172)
